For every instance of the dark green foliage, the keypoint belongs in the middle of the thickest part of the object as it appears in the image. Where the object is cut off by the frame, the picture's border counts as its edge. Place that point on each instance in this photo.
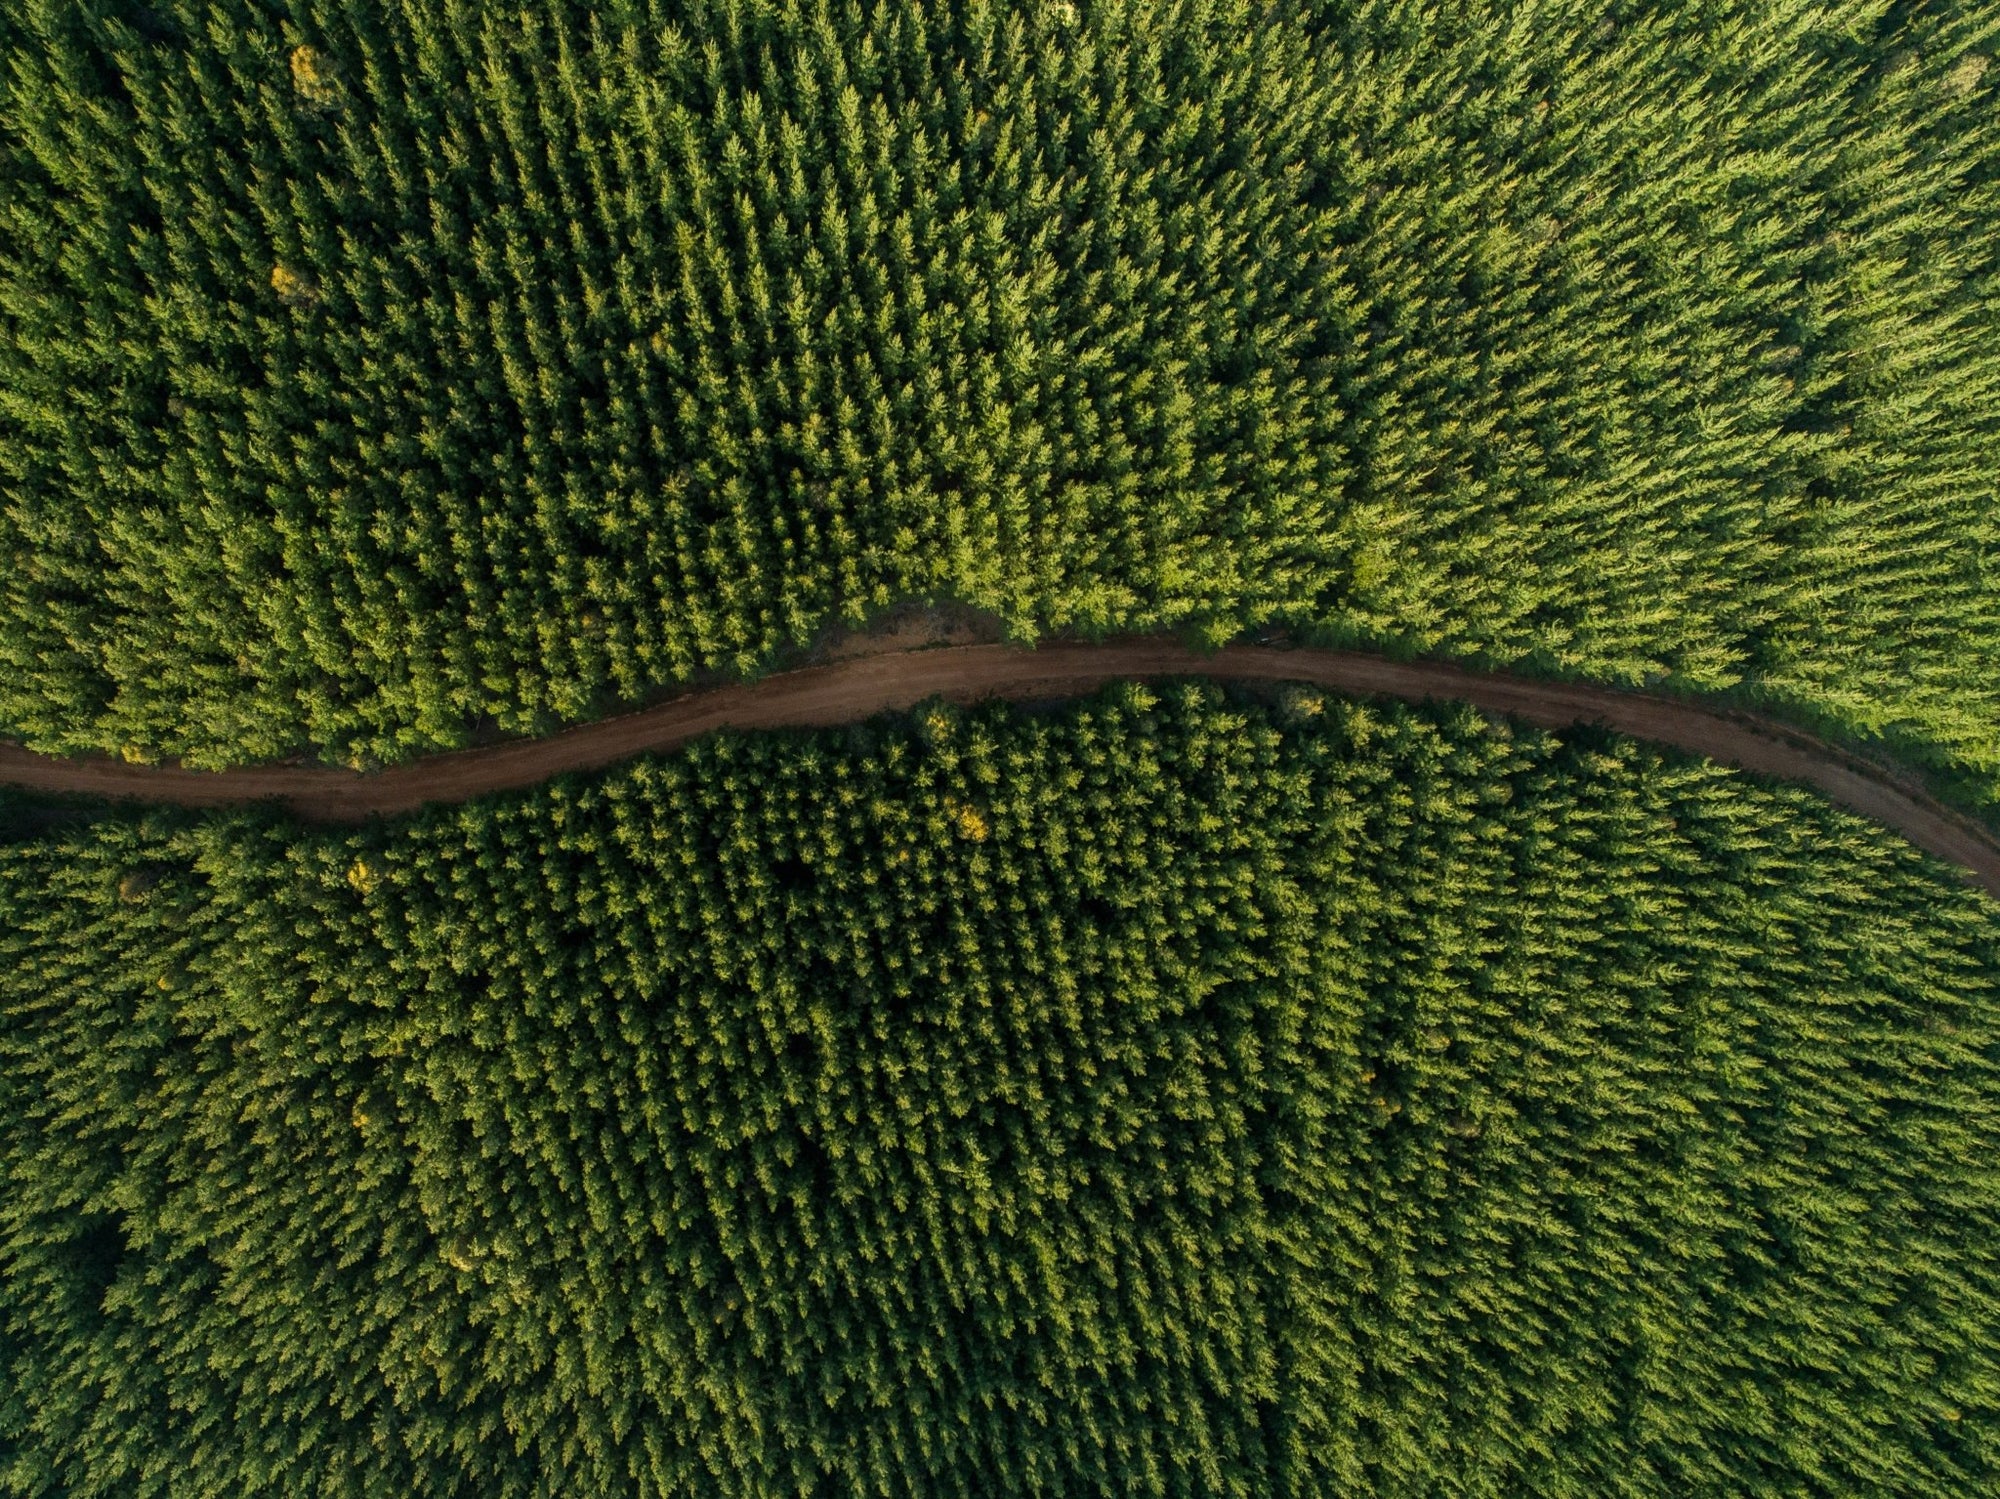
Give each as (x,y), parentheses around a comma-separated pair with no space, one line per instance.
(501,363)
(1159,1097)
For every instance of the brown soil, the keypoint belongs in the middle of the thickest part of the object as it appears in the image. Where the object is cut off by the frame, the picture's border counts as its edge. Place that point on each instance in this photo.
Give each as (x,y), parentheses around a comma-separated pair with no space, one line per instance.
(897,670)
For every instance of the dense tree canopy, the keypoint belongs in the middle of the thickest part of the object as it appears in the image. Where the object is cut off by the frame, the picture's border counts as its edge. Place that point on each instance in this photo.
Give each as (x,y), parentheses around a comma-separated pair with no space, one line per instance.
(1167,1094)
(1161,1096)
(374,371)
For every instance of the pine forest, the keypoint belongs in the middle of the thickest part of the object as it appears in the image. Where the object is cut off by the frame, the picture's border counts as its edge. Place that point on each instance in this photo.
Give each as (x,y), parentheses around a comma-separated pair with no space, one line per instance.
(375,373)
(1163,1096)
(897,984)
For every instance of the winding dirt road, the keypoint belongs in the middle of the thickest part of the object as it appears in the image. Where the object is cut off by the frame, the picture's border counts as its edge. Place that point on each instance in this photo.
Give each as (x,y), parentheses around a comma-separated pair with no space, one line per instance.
(842,691)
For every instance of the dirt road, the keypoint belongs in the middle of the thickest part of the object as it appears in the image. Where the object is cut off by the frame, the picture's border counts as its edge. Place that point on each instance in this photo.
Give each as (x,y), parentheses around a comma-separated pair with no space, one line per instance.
(853,688)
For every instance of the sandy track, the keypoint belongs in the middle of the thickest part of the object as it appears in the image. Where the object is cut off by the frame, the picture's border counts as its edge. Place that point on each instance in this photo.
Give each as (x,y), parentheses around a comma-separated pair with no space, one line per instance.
(845,690)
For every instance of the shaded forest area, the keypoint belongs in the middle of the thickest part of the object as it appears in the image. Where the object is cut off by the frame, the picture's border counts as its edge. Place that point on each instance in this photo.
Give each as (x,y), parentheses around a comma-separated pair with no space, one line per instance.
(1163,1094)
(372,375)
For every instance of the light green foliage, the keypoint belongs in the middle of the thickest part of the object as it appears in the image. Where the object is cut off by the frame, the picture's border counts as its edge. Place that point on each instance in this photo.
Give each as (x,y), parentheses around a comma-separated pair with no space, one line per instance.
(369,372)
(1345,1102)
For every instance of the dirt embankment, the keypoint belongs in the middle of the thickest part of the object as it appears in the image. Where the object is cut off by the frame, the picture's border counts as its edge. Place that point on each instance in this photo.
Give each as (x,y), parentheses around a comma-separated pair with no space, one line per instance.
(893,677)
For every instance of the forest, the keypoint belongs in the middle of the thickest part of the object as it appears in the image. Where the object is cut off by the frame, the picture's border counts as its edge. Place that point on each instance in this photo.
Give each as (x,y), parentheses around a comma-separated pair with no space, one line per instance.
(375,376)
(1165,1093)
(1176,1091)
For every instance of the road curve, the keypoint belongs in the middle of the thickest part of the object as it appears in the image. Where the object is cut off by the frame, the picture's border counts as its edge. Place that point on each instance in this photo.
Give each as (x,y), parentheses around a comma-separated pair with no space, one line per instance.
(845,690)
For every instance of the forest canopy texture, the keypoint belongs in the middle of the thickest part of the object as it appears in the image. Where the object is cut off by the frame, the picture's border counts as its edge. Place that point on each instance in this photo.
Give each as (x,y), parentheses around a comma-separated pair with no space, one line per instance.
(1161,1096)
(1167,1093)
(375,373)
